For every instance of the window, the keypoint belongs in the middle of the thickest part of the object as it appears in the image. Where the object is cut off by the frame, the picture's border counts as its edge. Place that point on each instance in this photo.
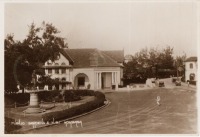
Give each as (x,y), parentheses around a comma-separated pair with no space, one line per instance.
(49,62)
(63,64)
(63,79)
(56,71)
(191,65)
(49,71)
(63,71)
(56,64)
(63,86)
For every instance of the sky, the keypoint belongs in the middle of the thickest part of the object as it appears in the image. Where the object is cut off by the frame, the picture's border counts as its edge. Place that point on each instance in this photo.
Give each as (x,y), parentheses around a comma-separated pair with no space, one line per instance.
(111,25)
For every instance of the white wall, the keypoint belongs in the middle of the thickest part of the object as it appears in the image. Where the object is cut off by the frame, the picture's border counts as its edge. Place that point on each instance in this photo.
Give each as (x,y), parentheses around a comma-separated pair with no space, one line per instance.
(188,70)
(61,60)
(90,72)
(87,71)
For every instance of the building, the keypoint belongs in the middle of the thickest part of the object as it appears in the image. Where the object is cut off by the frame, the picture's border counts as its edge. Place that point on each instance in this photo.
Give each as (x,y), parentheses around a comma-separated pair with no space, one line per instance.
(86,68)
(191,69)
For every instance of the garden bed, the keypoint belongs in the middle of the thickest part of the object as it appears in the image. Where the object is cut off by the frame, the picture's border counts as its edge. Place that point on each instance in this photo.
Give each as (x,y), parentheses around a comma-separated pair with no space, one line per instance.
(90,100)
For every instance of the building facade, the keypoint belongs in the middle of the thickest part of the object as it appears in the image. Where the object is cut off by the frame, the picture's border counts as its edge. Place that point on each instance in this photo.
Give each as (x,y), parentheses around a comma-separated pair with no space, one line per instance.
(191,69)
(86,69)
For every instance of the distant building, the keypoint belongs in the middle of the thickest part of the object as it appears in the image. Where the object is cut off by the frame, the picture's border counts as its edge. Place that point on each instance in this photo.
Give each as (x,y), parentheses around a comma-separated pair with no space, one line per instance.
(86,67)
(191,69)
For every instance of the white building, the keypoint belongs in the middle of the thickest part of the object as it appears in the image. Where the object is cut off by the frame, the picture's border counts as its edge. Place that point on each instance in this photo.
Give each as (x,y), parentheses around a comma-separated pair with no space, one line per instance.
(84,67)
(191,69)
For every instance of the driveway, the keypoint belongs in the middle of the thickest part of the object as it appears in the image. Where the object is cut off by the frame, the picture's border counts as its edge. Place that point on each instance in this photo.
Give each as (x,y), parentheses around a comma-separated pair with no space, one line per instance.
(137,112)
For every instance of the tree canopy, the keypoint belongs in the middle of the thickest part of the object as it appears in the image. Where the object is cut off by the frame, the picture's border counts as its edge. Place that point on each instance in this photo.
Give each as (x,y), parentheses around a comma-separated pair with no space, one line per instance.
(23,57)
(148,62)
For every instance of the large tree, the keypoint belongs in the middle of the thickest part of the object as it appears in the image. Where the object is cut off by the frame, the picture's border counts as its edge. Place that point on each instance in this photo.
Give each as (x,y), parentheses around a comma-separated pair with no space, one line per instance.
(22,58)
(148,62)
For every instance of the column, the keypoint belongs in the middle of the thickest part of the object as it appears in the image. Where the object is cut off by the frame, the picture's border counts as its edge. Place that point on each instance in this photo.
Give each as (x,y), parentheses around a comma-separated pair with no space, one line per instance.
(96,80)
(112,78)
(116,81)
(99,80)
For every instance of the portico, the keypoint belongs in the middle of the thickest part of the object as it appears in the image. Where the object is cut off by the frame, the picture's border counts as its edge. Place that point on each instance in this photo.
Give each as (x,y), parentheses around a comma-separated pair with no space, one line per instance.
(105,79)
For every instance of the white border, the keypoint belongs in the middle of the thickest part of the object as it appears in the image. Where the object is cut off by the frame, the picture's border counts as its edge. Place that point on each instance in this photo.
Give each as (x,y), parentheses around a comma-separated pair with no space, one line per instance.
(82,1)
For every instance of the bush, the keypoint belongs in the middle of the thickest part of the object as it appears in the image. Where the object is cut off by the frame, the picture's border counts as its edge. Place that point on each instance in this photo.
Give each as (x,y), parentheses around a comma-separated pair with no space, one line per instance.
(83,92)
(183,79)
(67,113)
(174,79)
(192,82)
(71,96)
(9,126)
(48,96)
(20,98)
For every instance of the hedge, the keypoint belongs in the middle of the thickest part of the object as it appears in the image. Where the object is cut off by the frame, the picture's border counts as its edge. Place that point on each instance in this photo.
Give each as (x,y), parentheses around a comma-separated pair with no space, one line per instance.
(74,111)
(48,96)
(192,82)
(20,98)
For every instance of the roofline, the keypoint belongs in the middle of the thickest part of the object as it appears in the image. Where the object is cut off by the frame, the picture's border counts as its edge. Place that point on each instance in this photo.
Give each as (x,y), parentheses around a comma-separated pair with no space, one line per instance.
(111,59)
(68,56)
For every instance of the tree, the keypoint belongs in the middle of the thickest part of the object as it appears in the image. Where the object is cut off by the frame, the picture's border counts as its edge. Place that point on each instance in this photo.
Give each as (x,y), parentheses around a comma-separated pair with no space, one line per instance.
(22,58)
(149,63)
(179,64)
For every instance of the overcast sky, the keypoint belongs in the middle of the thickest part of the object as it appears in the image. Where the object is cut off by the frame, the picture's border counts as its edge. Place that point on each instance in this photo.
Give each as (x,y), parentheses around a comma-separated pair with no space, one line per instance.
(109,26)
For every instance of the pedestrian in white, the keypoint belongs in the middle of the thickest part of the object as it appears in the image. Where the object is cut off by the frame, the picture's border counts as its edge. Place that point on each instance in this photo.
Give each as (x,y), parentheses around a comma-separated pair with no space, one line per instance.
(158,100)
(188,83)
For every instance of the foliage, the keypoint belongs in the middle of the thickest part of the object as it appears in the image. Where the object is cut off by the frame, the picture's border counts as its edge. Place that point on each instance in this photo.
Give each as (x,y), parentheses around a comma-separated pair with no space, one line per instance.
(179,65)
(84,92)
(23,57)
(10,99)
(77,110)
(71,96)
(192,82)
(48,96)
(146,64)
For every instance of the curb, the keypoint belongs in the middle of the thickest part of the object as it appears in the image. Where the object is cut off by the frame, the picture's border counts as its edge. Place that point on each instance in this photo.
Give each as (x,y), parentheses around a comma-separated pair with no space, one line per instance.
(62,121)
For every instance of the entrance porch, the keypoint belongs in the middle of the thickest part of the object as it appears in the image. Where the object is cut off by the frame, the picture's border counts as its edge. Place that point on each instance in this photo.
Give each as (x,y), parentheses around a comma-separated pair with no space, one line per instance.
(105,80)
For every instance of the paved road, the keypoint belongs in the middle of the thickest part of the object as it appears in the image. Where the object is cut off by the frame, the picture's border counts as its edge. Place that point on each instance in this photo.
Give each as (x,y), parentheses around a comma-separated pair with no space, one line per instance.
(137,112)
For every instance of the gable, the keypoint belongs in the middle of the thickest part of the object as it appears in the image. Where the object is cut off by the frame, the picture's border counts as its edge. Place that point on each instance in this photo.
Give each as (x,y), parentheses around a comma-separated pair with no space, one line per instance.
(61,62)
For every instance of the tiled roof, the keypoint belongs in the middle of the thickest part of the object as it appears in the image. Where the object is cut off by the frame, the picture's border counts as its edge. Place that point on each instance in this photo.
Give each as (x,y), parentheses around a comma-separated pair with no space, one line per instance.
(90,57)
(191,59)
(117,55)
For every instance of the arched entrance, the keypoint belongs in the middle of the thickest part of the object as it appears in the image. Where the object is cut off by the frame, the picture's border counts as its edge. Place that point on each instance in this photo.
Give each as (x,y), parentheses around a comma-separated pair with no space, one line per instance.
(192,76)
(81,81)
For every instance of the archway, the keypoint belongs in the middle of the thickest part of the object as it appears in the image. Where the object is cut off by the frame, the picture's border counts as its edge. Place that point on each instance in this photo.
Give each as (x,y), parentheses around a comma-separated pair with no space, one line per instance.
(192,76)
(81,81)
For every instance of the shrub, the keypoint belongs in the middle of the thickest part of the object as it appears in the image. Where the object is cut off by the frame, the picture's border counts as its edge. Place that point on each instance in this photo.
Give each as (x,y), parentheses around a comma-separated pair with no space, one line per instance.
(84,92)
(174,79)
(71,96)
(48,96)
(20,98)
(183,79)
(192,82)
(67,113)
(88,86)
